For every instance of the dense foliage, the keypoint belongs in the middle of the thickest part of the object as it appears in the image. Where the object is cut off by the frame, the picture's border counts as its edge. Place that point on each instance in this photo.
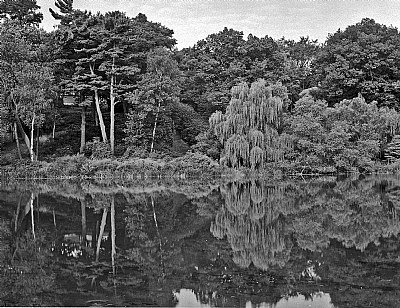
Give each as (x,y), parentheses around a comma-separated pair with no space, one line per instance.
(352,134)
(361,59)
(292,105)
(66,243)
(249,130)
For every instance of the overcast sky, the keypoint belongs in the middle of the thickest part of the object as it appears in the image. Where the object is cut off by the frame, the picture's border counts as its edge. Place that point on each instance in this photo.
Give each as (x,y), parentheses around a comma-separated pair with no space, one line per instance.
(193,20)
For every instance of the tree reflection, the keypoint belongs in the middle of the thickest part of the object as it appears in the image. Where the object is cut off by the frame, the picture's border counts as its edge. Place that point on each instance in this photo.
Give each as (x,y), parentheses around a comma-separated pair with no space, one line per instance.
(252,220)
(260,219)
(354,212)
(139,245)
(26,275)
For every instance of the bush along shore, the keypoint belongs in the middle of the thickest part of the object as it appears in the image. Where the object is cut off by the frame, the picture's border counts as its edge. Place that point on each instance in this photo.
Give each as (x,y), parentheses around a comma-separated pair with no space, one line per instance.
(79,166)
(191,165)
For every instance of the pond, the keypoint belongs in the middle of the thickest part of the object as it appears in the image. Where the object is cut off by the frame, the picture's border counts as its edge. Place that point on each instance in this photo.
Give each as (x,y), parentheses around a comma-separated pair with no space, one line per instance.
(299,242)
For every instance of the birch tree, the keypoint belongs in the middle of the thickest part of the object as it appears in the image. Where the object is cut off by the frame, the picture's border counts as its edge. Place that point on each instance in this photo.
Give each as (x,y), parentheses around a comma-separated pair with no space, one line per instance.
(32,97)
(149,121)
(26,79)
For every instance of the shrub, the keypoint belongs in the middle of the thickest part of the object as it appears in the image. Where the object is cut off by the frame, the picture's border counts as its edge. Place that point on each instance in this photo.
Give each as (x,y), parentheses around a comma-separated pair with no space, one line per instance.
(348,136)
(194,163)
(98,150)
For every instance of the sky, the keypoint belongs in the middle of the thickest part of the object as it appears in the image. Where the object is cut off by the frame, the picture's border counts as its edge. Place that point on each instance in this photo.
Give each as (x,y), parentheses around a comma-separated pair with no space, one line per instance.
(193,20)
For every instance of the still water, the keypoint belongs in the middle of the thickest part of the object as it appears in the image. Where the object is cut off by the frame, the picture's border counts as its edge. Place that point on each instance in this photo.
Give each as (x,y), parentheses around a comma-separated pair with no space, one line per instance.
(318,242)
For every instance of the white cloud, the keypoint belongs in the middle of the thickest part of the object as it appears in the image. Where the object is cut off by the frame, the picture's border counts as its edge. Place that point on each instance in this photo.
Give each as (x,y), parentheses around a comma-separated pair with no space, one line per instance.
(193,20)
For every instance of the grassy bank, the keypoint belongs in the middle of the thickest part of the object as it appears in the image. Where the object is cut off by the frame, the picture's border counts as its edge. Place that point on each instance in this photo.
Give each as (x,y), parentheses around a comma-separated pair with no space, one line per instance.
(79,166)
(191,165)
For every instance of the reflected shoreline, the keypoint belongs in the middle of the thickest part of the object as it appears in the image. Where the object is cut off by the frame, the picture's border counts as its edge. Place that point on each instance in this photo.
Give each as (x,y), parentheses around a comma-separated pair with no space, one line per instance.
(245,243)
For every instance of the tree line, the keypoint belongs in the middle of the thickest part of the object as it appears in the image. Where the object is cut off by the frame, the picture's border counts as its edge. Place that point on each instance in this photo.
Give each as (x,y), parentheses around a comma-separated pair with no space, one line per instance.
(246,102)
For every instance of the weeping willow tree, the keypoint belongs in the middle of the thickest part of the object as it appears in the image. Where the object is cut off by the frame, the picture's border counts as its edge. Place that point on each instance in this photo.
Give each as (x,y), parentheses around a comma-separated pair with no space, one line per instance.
(252,221)
(250,129)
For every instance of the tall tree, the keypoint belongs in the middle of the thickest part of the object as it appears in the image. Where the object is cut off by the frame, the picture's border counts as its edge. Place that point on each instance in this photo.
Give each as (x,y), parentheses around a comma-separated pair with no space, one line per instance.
(66,58)
(105,53)
(250,130)
(297,71)
(211,67)
(152,102)
(118,61)
(32,96)
(364,58)
(222,60)
(26,78)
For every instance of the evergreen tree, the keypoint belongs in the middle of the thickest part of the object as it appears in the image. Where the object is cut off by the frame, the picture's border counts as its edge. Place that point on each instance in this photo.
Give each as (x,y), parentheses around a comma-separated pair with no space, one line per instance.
(24,11)
(100,56)
(66,10)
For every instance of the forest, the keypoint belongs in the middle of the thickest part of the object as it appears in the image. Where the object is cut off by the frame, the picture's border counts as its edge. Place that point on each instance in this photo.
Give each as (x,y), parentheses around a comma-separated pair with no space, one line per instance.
(110,92)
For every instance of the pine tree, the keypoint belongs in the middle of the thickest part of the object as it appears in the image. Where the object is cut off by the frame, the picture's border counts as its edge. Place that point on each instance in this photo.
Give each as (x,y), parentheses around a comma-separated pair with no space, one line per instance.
(25,11)
(66,10)
(250,129)
(100,57)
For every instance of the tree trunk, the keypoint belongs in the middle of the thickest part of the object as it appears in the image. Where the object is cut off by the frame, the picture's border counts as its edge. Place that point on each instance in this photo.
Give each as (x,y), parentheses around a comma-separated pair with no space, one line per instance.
(54,129)
(17,214)
(83,130)
(32,198)
(37,143)
(17,140)
(38,207)
(112,115)
(113,249)
(54,219)
(158,235)
(94,233)
(32,153)
(125,108)
(24,135)
(155,126)
(100,115)
(83,210)
(94,114)
(102,226)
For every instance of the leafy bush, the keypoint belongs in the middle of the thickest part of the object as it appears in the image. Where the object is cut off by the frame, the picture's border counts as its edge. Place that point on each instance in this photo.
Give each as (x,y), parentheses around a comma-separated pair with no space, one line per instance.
(348,136)
(135,152)
(208,144)
(104,167)
(98,150)
(194,163)
(66,166)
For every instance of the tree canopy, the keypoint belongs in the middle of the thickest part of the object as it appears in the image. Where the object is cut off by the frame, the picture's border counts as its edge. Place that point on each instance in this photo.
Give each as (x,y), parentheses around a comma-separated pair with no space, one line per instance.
(363,58)
(143,93)
(24,11)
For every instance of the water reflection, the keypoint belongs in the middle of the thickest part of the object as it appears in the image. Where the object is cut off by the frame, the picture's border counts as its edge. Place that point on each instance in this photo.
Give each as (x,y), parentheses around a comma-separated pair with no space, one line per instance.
(188,298)
(321,242)
(261,220)
(252,221)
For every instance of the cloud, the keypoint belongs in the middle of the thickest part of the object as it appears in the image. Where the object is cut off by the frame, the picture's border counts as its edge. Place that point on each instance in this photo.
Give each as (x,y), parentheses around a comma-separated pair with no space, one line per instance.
(193,20)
